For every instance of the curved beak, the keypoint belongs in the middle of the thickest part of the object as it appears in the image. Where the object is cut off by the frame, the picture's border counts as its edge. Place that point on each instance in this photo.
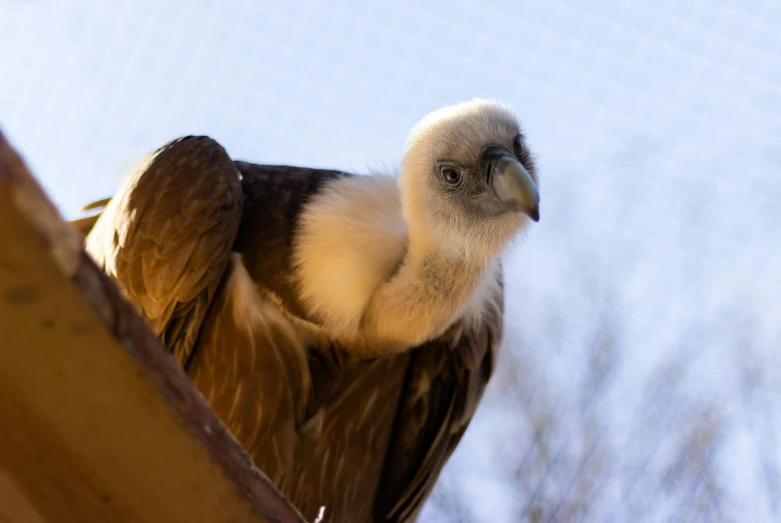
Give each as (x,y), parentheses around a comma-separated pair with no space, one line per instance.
(511,183)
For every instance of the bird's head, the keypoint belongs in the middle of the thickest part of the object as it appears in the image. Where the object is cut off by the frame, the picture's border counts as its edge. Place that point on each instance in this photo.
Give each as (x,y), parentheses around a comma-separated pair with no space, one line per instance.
(468,181)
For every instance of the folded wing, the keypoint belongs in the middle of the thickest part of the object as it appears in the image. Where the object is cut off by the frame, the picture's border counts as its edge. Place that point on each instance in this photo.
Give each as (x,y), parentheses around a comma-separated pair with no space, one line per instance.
(167,235)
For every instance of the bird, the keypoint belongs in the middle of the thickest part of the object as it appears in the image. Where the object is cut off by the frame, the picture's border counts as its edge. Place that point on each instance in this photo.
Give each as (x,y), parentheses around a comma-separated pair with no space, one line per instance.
(343,326)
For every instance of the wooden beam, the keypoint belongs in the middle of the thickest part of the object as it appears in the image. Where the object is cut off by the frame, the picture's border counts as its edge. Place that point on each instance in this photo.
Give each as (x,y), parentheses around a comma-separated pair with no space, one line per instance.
(97,422)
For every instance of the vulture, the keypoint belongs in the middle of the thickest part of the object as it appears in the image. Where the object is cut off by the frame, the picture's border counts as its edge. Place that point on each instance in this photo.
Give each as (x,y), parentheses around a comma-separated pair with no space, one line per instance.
(343,326)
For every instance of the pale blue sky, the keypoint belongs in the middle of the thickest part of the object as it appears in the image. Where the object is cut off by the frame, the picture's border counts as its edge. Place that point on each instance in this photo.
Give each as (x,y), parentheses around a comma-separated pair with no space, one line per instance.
(658,131)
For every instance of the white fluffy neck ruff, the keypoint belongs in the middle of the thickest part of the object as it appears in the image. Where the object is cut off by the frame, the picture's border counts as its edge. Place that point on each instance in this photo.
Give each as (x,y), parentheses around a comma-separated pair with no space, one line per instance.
(363,280)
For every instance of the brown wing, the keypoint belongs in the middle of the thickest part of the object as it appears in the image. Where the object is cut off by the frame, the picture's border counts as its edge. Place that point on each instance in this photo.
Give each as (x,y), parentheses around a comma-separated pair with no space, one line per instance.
(167,235)
(445,381)
(250,365)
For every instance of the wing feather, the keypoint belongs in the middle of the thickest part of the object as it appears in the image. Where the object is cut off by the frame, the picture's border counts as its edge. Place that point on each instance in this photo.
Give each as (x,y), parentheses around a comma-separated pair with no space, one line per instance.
(167,235)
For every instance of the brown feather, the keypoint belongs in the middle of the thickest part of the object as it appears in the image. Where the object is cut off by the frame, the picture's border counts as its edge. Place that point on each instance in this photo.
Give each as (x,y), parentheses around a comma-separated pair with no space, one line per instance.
(167,237)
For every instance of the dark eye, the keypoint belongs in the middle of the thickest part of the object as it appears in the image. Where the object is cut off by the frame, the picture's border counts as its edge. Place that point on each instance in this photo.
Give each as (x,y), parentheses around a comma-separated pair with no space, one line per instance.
(451,175)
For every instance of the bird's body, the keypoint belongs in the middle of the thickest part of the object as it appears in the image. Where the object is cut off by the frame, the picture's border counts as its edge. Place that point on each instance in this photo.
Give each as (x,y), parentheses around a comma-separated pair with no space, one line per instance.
(342,326)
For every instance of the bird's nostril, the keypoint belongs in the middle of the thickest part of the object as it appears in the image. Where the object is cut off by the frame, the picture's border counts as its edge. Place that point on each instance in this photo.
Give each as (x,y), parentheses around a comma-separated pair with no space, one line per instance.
(488,171)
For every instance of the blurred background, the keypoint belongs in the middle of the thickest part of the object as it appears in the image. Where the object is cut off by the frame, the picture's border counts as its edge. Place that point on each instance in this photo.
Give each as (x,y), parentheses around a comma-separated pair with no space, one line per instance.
(640,378)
